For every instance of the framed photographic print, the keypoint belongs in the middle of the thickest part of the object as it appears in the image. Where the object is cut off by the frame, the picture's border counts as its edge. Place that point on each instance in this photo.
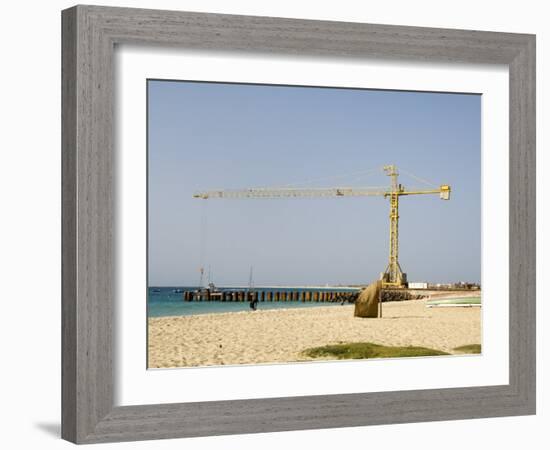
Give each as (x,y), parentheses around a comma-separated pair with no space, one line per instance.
(268,222)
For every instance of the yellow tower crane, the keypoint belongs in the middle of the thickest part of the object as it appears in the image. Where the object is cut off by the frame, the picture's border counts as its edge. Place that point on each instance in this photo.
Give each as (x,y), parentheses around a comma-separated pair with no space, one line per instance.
(393,276)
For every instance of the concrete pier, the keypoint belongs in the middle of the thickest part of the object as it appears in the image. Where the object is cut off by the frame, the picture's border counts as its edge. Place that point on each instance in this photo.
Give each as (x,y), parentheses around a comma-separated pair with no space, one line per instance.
(270,295)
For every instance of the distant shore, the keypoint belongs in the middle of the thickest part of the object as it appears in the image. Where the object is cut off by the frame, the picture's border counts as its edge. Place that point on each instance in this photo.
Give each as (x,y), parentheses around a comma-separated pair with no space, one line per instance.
(272,336)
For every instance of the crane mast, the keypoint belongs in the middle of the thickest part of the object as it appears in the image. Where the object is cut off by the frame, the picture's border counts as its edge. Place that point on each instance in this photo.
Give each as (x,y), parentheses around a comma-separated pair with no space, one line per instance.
(393,276)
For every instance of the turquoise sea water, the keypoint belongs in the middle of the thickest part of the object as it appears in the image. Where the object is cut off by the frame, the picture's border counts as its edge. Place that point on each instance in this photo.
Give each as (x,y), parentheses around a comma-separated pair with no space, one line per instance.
(168,301)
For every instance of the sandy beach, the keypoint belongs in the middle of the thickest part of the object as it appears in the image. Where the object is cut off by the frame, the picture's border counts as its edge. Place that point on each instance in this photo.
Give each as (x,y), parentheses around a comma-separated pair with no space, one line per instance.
(281,335)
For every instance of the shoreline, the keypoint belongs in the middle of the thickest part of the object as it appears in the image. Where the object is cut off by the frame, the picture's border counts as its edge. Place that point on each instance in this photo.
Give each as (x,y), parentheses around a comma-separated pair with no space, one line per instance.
(282,334)
(249,311)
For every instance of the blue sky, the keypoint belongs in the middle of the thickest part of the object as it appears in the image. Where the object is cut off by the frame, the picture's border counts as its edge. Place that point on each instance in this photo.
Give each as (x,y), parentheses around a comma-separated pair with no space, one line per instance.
(206,136)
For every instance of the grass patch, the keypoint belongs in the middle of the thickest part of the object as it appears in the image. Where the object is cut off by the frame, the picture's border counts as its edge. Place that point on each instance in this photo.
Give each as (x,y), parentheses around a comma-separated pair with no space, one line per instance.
(364,350)
(472,348)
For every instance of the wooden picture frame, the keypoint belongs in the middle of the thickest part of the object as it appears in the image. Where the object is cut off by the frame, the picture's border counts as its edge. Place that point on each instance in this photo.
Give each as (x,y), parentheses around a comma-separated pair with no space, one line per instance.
(89,36)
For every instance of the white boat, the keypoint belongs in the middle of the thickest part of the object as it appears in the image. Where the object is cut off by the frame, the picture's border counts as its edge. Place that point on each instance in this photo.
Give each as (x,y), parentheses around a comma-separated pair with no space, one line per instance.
(456,301)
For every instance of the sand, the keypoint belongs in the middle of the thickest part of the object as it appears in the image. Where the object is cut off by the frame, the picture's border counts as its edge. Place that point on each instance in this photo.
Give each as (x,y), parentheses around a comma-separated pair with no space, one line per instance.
(268,336)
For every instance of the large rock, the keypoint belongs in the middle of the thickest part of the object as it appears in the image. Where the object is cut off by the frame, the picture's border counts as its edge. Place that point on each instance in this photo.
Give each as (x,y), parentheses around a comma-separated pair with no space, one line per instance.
(366,304)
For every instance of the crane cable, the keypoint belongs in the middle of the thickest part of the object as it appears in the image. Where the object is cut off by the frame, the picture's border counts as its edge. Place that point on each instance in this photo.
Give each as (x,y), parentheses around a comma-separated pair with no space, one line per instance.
(331,177)
(417,178)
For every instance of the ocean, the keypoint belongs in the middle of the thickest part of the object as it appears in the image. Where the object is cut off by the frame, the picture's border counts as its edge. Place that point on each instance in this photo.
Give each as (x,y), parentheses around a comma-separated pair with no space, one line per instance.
(168,301)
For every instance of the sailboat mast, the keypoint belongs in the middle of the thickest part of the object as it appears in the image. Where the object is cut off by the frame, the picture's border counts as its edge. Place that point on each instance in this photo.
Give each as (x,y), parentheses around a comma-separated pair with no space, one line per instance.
(251,279)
